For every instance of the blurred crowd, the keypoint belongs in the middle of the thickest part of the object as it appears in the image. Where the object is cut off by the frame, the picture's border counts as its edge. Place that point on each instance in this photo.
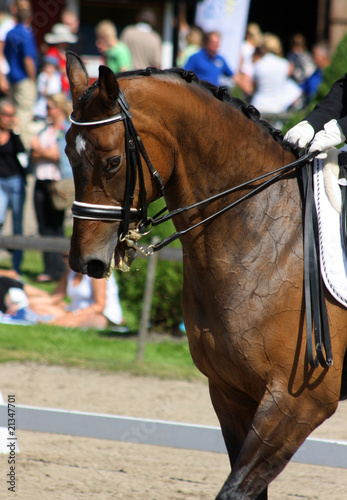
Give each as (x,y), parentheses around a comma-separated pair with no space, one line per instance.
(35,105)
(35,97)
(269,79)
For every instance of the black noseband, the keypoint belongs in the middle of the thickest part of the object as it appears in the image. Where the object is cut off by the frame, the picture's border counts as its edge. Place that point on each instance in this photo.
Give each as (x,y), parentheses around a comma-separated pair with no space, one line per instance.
(93,211)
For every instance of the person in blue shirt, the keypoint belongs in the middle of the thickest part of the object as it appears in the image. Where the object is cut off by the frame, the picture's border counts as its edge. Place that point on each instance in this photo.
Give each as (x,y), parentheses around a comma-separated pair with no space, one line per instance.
(208,64)
(22,56)
(321,57)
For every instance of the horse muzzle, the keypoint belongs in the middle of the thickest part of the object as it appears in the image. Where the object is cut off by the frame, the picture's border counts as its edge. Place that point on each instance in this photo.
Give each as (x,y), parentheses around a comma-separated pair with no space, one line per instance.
(92,247)
(97,247)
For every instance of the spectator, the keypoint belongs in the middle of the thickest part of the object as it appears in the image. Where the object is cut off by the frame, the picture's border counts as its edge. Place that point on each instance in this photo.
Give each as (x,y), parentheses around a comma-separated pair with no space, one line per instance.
(208,64)
(7,23)
(274,91)
(15,301)
(93,303)
(117,54)
(47,157)
(194,42)
(48,83)
(321,58)
(182,26)
(22,57)
(298,54)
(12,297)
(144,43)
(12,174)
(59,39)
(71,20)
(253,40)
(246,70)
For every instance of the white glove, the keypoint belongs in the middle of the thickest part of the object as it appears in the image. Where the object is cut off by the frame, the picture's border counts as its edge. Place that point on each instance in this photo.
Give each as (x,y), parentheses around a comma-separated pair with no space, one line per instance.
(331,136)
(300,135)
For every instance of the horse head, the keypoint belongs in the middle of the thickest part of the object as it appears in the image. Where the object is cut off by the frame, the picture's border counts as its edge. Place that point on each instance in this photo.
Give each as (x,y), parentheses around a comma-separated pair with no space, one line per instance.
(111,187)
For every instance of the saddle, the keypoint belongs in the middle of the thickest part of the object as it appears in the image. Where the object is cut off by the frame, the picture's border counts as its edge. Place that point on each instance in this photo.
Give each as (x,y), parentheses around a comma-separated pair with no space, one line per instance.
(343,186)
(330,191)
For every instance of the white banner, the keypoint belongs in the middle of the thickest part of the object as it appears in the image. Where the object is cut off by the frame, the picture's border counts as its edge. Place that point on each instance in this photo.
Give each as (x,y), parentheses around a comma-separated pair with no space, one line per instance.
(229,17)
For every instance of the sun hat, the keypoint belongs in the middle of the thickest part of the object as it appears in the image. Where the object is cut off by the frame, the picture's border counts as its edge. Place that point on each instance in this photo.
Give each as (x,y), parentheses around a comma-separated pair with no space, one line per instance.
(60,34)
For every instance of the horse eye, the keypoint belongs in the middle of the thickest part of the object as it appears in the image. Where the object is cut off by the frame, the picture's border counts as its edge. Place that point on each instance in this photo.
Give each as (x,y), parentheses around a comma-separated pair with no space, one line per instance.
(113,163)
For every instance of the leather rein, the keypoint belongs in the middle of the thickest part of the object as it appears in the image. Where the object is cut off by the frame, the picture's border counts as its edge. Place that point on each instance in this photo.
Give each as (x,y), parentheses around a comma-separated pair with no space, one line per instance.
(316,314)
(134,150)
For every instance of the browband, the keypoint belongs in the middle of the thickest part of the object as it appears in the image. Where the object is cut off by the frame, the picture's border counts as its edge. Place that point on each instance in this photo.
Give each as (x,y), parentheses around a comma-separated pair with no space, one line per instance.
(111,119)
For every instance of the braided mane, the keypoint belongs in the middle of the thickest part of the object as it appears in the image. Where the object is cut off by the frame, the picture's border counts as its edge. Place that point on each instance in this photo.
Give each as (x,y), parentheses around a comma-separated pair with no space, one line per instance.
(220,93)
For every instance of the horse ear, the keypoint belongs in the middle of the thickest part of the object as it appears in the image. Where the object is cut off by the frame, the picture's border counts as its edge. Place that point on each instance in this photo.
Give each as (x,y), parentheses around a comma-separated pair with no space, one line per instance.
(77,75)
(108,86)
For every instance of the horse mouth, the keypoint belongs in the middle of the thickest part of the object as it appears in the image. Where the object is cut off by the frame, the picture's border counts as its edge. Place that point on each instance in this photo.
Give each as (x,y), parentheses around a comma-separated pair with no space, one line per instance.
(124,256)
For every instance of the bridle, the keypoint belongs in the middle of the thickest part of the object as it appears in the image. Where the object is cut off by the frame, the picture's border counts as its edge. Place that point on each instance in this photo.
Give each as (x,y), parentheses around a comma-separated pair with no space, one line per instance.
(134,149)
(127,214)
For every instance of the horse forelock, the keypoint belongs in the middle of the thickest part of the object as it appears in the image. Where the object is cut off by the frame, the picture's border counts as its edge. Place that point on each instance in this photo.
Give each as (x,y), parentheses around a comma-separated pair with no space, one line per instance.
(87,94)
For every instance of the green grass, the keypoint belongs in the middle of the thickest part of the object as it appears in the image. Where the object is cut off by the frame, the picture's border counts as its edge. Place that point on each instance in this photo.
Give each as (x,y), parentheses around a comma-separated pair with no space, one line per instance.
(165,356)
(92,349)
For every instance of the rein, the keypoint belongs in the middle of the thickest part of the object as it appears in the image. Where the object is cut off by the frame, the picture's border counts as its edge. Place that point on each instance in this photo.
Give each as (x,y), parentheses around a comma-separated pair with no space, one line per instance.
(156,220)
(317,322)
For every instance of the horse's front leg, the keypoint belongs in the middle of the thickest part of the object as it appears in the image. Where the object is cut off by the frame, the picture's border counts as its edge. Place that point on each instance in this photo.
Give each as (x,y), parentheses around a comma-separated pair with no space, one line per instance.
(280,425)
(235,412)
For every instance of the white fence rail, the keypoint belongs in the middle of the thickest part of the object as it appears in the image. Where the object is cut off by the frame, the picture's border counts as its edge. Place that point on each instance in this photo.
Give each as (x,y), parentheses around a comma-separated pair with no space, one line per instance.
(155,432)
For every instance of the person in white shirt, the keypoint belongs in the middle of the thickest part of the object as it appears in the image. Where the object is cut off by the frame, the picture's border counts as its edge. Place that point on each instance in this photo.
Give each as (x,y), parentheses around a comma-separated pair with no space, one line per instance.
(274,91)
(252,41)
(7,22)
(48,83)
(92,303)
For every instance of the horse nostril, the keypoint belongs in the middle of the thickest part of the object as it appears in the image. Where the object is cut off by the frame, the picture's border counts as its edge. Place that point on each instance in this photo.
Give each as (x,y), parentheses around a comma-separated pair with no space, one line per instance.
(96,268)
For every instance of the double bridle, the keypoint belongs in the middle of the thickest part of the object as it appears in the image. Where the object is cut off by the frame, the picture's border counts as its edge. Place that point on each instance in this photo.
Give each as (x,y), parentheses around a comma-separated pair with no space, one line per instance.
(134,149)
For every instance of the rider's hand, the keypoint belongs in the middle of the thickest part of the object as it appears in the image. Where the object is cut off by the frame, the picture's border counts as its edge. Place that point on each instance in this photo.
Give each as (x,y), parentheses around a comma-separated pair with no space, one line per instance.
(331,136)
(300,135)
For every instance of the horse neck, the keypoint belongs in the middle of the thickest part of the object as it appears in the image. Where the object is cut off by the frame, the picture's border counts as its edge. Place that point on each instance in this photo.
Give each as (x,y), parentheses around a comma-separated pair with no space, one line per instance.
(215,148)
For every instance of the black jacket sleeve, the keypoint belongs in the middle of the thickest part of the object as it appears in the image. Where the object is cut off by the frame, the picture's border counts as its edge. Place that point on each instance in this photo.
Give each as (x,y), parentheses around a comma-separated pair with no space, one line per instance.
(333,106)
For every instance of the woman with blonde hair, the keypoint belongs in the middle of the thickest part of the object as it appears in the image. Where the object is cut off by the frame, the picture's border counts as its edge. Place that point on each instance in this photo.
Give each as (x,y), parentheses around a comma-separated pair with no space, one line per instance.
(274,91)
(252,40)
(194,42)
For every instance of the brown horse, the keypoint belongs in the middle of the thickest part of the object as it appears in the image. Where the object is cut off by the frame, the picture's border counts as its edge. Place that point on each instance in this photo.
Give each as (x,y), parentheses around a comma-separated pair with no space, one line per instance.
(243,270)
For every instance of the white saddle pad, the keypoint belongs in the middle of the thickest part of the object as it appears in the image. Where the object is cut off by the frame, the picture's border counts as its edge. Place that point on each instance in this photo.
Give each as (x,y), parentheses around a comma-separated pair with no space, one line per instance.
(328,202)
